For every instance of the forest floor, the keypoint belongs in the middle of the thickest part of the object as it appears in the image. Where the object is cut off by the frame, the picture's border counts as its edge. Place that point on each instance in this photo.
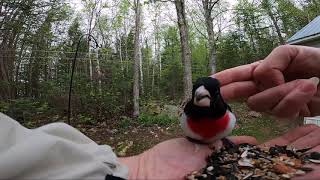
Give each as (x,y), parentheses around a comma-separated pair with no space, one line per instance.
(130,137)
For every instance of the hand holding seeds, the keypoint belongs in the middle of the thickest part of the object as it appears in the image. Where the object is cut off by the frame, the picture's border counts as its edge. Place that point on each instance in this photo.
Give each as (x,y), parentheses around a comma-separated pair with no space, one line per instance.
(175,158)
(293,155)
(300,138)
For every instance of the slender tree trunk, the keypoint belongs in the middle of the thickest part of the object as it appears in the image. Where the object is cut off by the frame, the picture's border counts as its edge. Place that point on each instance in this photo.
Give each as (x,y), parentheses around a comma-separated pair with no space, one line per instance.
(126,48)
(267,6)
(136,59)
(159,59)
(185,49)
(90,69)
(207,7)
(120,52)
(4,75)
(99,74)
(157,41)
(17,69)
(152,83)
(277,28)
(141,72)
(35,66)
(89,50)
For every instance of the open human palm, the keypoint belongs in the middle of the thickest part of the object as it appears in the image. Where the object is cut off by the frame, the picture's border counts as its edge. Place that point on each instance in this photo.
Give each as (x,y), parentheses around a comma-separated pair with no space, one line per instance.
(175,158)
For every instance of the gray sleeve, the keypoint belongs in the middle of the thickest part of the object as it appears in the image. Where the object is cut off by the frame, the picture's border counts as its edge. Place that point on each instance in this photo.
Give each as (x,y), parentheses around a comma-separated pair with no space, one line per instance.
(53,151)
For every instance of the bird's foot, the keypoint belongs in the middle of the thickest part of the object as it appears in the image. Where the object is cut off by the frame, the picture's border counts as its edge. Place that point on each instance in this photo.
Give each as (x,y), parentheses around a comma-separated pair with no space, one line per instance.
(196,141)
(228,144)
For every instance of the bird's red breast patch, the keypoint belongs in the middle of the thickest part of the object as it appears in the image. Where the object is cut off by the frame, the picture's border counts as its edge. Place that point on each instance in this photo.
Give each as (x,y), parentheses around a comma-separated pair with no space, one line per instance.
(208,128)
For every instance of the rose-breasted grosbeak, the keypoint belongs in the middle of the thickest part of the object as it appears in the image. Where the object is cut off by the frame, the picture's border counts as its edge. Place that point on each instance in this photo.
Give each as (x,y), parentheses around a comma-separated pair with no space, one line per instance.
(206,116)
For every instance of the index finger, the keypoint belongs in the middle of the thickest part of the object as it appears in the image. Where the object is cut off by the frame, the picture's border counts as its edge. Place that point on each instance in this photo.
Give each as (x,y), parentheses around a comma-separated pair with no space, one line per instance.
(236,74)
(286,63)
(292,135)
(269,73)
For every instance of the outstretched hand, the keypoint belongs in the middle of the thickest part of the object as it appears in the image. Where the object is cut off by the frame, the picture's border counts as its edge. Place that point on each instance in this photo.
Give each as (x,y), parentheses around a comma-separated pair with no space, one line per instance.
(173,159)
(302,137)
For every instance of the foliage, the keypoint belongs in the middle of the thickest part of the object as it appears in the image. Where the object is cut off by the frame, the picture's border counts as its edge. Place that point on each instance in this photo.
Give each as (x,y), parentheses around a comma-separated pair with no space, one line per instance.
(125,122)
(40,38)
(160,119)
(24,110)
(83,119)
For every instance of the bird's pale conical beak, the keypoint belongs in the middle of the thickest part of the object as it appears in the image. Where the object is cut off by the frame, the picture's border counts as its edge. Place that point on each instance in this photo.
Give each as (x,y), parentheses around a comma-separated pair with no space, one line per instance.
(202,97)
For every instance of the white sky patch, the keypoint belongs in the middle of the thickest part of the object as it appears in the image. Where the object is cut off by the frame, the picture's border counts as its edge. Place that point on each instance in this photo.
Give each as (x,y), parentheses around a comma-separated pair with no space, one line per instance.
(163,14)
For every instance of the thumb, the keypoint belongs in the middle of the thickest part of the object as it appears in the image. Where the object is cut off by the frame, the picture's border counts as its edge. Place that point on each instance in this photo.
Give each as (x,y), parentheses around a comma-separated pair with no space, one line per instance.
(285,100)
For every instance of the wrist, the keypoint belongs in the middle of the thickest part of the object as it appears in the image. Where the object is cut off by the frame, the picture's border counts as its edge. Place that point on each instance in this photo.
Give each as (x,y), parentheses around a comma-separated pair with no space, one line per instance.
(133,164)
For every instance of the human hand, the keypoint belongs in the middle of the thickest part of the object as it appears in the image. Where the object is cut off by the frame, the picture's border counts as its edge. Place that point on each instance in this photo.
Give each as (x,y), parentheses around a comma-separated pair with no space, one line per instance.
(237,82)
(173,159)
(300,138)
(283,94)
(283,81)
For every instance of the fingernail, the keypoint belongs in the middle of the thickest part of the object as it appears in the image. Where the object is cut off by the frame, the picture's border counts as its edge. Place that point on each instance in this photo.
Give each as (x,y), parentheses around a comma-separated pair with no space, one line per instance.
(315,80)
(308,88)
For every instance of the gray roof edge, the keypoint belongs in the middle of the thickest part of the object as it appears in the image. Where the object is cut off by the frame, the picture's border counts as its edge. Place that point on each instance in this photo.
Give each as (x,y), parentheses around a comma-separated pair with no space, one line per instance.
(309,25)
(304,39)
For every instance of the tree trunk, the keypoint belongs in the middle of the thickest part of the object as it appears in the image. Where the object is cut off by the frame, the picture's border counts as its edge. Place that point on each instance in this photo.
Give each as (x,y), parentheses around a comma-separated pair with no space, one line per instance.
(267,6)
(35,73)
(7,59)
(136,59)
(152,83)
(185,49)
(141,71)
(120,52)
(277,28)
(17,69)
(99,74)
(4,75)
(207,7)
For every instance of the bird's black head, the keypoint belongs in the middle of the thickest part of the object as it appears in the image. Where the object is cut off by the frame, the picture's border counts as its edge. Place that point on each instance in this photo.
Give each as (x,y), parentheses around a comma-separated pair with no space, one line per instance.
(206,99)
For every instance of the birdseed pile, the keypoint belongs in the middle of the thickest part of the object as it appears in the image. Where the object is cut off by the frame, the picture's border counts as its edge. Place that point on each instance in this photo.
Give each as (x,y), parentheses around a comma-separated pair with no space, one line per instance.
(250,162)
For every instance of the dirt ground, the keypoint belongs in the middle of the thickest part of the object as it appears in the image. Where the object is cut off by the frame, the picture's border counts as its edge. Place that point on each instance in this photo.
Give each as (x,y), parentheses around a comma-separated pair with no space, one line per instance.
(132,137)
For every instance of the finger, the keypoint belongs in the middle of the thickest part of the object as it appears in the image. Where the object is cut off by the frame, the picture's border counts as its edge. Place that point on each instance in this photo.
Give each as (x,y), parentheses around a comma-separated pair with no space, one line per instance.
(311,139)
(314,105)
(316,168)
(269,98)
(315,149)
(292,135)
(291,104)
(297,92)
(238,90)
(269,72)
(313,175)
(304,111)
(237,74)
(243,139)
(295,62)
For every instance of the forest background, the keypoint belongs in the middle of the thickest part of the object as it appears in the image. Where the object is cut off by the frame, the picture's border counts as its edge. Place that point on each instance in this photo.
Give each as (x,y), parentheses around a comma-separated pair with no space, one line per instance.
(136,61)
